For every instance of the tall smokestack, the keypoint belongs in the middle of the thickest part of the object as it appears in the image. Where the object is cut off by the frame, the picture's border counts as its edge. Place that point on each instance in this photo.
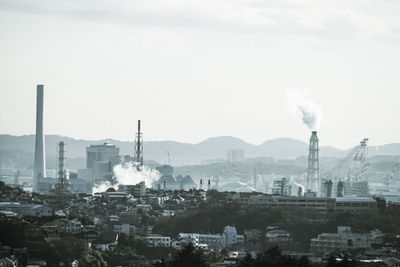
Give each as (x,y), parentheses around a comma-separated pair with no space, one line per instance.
(313,179)
(39,170)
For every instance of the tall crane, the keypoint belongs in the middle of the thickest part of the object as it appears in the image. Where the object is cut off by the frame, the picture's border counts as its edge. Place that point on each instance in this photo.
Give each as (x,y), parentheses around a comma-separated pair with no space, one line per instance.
(389,177)
(354,166)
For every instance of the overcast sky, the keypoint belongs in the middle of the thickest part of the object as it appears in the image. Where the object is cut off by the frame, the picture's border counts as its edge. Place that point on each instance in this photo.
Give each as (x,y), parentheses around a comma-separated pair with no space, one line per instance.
(196,69)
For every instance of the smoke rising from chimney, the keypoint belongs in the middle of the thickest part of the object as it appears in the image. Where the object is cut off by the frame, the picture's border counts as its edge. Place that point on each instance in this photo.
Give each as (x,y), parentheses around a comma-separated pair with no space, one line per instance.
(299,103)
(129,174)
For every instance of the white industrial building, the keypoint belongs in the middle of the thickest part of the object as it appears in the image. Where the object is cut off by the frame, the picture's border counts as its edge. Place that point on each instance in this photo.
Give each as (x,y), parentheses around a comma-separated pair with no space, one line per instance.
(100,162)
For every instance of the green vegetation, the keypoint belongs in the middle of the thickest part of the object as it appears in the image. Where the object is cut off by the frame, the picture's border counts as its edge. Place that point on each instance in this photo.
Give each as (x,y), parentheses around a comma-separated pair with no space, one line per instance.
(274,258)
(301,223)
(188,256)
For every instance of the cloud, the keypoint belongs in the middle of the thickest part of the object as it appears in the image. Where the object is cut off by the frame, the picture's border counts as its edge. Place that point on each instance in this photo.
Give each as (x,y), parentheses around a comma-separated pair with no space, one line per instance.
(322,19)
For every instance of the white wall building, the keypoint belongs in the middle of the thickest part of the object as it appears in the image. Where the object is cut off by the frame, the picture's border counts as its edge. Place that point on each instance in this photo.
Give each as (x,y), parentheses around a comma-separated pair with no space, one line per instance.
(344,239)
(213,241)
(158,241)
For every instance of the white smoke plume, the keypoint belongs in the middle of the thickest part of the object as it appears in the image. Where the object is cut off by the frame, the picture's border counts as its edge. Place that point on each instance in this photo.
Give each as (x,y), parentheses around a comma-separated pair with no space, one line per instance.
(103,186)
(310,112)
(129,174)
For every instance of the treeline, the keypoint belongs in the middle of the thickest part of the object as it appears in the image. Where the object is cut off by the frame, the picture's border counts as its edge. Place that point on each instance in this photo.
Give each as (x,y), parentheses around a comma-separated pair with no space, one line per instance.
(273,257)
(303,224)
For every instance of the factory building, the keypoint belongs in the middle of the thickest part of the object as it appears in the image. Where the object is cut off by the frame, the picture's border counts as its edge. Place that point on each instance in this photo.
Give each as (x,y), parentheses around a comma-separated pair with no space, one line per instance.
(351,204)
(100,162)
(282,187)
(101,153)
(355,204)
(186,182)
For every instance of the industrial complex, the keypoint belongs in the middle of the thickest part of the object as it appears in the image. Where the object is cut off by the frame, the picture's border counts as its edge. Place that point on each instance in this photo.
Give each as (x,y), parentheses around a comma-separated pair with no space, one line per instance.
(348,181)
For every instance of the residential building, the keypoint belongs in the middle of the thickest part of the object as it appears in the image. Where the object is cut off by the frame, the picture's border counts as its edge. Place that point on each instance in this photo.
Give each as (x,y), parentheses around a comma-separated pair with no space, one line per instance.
(107,241)
(345,239)
(137,190)
(213,241)
(278,236)
(69,226)
(158,241)
(125,229)
(26,209)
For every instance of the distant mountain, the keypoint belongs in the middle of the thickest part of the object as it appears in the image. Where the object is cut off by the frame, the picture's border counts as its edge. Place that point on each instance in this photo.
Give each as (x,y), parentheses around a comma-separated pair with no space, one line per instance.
(283,148)
(185,153)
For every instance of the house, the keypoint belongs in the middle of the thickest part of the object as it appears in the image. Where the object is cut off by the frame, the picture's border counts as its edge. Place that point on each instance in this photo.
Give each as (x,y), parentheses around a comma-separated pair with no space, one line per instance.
(107,241)
(125,229)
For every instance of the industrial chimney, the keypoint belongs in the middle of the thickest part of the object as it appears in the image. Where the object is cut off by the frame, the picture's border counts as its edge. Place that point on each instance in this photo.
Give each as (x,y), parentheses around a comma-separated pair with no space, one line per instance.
(313,182)
(39,169)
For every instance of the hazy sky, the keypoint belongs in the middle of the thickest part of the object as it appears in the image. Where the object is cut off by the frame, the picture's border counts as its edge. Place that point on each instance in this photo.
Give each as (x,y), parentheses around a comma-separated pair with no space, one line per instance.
(195,69)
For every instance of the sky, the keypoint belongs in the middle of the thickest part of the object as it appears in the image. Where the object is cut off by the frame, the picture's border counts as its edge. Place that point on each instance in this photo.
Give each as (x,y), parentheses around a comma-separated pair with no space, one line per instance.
(191,70)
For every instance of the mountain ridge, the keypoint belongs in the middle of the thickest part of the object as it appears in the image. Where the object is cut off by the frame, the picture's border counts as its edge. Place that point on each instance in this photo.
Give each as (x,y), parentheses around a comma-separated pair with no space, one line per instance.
(187,153)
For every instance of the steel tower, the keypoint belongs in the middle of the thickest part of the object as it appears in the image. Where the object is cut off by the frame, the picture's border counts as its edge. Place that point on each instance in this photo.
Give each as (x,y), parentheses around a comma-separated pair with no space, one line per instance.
(139,147)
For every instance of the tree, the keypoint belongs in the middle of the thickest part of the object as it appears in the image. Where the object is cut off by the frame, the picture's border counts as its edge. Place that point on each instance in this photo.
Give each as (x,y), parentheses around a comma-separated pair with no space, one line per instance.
(273,257)
(70,248)
(94,258)
(189,256)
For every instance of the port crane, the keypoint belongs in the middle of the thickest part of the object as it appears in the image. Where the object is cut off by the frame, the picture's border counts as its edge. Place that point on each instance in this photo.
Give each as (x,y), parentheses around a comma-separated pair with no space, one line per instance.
(389,177)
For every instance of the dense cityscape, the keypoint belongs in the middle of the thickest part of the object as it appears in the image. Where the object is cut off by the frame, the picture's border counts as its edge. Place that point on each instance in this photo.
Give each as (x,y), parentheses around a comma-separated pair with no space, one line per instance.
(124,210)
(200,133)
